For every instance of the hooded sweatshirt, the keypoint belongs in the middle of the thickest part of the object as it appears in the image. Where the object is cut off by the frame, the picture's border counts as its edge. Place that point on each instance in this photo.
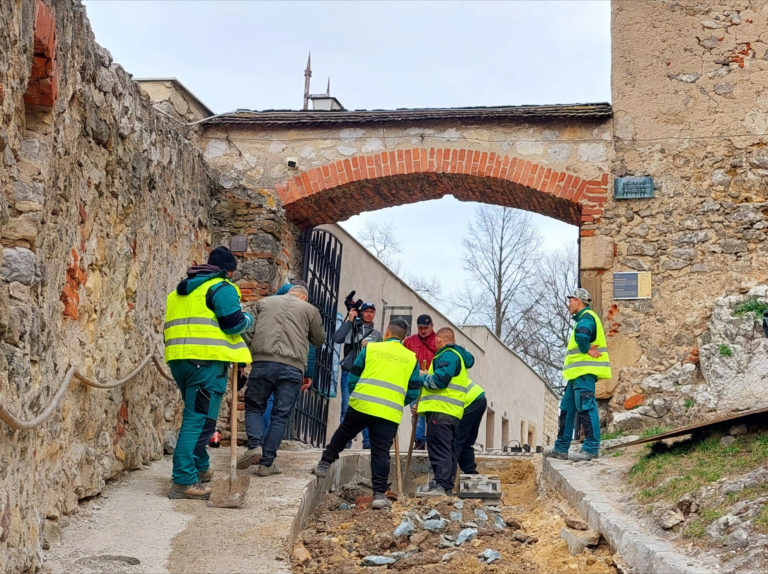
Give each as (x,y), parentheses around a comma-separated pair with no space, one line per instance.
(446,365)
(222,298)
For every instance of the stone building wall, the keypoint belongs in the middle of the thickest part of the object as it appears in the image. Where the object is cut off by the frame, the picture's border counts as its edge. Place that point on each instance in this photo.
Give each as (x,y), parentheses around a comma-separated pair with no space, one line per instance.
(690,100)
(103,203)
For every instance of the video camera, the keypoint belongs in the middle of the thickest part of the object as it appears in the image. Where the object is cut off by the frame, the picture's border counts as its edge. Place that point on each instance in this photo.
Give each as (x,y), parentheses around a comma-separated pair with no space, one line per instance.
(350,303)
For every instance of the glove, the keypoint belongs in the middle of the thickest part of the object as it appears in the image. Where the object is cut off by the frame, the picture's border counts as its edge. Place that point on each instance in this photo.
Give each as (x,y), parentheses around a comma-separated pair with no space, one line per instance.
(242,378)
(306,383)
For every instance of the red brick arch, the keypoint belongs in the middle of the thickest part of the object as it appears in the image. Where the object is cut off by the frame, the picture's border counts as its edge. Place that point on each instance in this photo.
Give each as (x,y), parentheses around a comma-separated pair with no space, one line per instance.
(341,189)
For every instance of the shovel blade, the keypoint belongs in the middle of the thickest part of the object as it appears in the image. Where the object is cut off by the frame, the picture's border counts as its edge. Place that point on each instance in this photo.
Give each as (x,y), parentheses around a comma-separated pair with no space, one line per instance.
(230,493)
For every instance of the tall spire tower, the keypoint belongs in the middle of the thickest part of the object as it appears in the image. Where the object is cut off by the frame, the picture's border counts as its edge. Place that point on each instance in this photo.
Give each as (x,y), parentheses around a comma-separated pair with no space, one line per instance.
(307,76)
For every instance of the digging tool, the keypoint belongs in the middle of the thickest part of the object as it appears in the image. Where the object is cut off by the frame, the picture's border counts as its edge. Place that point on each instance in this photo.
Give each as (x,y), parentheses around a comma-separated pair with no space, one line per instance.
(230,493)
(397,467)
(414,420)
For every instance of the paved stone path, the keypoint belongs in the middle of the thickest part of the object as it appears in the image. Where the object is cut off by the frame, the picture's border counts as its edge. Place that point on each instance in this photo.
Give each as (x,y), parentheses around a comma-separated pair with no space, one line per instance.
(135,520)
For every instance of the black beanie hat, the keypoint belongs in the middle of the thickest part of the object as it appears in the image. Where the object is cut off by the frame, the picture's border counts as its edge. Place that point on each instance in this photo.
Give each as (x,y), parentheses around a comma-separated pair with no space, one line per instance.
(222,258)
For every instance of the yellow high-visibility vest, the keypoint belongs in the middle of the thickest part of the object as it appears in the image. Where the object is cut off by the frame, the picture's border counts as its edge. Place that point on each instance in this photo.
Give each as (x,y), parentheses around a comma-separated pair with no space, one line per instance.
(192,330)
(449,400)
(473,391)
(577,363)
(381,390)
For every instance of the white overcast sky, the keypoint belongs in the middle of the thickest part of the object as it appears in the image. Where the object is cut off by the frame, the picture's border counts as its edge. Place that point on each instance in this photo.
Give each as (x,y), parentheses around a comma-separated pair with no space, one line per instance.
(379,55)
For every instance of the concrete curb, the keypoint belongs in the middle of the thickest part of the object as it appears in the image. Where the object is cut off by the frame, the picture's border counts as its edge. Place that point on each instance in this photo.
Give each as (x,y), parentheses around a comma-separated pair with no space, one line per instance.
(349,467)
(626,536)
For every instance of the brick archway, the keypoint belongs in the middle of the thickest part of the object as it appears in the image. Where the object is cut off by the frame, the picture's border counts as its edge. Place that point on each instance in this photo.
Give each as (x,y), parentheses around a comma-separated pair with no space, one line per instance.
(343,188)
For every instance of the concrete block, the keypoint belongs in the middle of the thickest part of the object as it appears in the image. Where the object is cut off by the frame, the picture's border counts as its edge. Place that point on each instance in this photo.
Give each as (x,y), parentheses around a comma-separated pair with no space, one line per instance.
(578,540)
(479,486)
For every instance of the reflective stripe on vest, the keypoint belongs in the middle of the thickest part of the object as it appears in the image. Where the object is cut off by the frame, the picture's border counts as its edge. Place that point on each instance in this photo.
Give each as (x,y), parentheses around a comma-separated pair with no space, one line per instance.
(473,391)
(192,331)
(577,363)
(381,390)
(449,400)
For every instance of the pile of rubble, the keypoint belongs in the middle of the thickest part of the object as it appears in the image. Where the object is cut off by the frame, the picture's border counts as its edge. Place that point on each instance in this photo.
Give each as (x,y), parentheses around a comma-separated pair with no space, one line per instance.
(518,532)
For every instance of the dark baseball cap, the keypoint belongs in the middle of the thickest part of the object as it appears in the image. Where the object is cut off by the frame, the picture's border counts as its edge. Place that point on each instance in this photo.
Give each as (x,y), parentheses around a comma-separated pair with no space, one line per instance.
(424,320)
(365,306)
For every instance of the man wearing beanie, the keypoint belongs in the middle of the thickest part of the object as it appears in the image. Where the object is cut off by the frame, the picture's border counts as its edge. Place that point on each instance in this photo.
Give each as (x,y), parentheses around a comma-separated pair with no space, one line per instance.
(203,323)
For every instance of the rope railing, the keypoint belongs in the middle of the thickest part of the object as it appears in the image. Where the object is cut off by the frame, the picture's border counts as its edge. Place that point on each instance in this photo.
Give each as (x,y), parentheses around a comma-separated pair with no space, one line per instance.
(17,423)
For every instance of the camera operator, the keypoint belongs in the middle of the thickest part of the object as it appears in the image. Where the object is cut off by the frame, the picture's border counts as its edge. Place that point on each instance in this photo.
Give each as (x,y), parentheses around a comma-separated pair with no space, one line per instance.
(355,332)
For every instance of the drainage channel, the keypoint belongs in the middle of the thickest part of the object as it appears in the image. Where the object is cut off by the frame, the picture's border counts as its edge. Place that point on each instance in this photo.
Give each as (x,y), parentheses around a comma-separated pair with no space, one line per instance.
(523,531)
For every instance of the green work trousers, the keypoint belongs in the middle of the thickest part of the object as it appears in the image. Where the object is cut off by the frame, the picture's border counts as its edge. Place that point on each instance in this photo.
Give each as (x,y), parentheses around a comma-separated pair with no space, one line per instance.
(202,385)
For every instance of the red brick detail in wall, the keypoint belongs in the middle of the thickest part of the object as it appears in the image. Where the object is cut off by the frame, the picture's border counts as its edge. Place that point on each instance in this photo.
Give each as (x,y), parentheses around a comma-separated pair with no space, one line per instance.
(341,189)
(70,294)
(43,84)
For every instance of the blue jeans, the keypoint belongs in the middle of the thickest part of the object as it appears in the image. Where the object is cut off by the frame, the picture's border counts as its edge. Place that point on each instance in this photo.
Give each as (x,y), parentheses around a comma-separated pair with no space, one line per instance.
(281,381)
(202,385)
(421,429)
(579,405)
(345,405)
(267,416)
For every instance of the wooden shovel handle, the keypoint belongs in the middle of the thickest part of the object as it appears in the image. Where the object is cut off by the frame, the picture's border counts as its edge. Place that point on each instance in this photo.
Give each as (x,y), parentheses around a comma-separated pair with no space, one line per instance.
(233,424)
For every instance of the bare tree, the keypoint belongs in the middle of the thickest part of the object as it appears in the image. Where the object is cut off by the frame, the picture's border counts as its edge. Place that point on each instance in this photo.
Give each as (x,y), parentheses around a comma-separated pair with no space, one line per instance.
(380,238)
(542,336)
(517,291)
(500,254)
(430,289)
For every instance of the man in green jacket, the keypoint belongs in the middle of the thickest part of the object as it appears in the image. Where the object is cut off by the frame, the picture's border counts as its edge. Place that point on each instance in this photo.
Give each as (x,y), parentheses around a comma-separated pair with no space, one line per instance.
(203,322)
(442,402)
(285,325)
(586,360)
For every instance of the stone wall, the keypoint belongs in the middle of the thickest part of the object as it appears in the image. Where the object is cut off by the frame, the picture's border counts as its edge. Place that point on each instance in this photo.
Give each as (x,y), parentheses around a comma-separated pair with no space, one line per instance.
(103,203)
(690,99)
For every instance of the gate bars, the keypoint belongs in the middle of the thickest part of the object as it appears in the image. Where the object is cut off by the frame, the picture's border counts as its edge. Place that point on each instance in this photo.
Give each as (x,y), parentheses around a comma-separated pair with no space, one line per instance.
(322,271)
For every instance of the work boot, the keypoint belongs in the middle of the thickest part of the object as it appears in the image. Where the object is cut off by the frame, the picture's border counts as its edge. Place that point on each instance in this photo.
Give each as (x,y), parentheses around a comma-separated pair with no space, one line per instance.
(251,456)
(194,491)
(268,470)
(433,489)
(321,469)
(205,476)
(380,501)
(552,453)
(582,455)
(419,445)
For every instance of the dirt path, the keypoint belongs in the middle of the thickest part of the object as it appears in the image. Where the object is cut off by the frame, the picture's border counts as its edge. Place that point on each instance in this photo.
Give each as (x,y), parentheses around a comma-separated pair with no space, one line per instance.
(337,539)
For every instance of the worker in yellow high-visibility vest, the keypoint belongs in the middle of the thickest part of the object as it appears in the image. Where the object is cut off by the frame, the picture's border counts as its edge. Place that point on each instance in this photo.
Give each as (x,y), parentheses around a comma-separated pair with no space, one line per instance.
(586,361)
(442,402)
(203,322)
(383,379)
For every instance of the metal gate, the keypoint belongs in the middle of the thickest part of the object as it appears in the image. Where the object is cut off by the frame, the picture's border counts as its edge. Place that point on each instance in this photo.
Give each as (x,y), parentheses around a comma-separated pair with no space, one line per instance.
(322,270)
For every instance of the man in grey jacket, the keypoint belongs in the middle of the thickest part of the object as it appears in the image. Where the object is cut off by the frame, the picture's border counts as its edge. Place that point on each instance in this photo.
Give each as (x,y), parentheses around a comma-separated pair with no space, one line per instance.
(284,327)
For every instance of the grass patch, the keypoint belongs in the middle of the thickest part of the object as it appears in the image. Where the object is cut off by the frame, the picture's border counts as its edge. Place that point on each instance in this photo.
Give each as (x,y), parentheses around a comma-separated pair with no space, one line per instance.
(695,528)
(653,431)
(614,434)
(689,402)
(751,306)
(761,521)
(668,472)
(725,350)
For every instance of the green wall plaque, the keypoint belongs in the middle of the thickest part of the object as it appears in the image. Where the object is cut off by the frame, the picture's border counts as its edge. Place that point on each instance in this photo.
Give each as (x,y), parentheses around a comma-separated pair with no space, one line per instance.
(632,187)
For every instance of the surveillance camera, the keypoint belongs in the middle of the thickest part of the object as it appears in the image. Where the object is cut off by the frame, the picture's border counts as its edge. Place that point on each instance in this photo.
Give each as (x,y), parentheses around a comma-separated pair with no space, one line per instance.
(292,163)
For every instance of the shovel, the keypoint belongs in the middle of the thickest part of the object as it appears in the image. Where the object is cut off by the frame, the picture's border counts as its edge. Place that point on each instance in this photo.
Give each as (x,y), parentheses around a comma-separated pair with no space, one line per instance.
(230,493)
(397,467)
